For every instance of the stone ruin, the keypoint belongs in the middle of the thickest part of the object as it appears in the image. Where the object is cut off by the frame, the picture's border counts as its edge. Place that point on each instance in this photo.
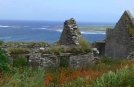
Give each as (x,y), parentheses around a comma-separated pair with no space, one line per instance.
(119,42)
(70,34)
(69,37)
(100,45)
(36,59)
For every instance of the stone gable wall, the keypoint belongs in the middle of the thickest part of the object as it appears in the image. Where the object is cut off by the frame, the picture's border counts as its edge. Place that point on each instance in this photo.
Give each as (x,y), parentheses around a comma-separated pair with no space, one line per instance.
(119,42)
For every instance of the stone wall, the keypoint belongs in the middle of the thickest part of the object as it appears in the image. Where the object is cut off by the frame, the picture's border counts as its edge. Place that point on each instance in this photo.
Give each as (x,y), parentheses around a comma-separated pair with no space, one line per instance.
(53,61)
(36,59)
(70,34)
(119,41)
(77,61)
(69,38)
(70,60)
(100,45)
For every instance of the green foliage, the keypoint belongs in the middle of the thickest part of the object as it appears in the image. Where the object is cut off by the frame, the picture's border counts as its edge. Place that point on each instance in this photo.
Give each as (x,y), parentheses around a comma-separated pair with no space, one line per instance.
(23,77)
(98,66)
(130,28)
(36,43)
(55,50)
(84,45)
(4,60)
(110,61)
(78,31)
(19,61)
(63,62)
(27,43)
(121,78)
(1,42)
(68,77)
(74,50)
(18,50)
(56,42)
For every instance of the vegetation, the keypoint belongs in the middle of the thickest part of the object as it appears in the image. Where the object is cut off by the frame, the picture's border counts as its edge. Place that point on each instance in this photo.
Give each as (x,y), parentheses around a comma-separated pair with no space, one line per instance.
(55,50)
(95,28)
(78,31)
(4,61)
(19,61)
(56,42)
(102,74)
(107,72)
(27,43)
(18,50)
(22,77)
(123,77)
(130,28)
(1,42)
(83,47)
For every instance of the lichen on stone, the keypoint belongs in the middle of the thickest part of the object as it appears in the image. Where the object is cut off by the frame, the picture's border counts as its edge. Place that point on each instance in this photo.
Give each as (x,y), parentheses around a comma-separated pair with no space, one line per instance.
(126,18)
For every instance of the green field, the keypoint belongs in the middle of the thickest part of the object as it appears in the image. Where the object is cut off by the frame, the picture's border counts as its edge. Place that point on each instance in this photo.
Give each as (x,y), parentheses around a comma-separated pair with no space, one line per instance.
(95,28)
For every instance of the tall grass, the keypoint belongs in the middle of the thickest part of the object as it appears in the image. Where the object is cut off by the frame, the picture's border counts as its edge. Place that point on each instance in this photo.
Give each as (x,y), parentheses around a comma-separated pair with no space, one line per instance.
(23,77)
(123,77)
(83,47)
(18,50)
(106,73)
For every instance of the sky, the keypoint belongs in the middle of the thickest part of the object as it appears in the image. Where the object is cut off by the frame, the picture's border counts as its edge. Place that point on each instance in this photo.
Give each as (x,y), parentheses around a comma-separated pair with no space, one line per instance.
(60,10)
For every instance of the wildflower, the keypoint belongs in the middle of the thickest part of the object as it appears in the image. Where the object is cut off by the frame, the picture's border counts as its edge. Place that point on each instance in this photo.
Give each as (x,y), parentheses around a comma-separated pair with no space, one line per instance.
(31,75)
(48,78)
(0,80)
(14,83)
(1,73)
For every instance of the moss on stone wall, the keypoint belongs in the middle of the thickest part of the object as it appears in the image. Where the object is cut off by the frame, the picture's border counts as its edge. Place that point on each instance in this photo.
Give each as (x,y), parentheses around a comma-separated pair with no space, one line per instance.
(127,23)
(78,31)
(131,30)
(18,50)
(83,47)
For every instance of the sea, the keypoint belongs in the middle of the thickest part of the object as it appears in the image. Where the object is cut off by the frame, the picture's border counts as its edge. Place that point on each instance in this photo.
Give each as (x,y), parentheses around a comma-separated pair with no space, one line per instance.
(48,31)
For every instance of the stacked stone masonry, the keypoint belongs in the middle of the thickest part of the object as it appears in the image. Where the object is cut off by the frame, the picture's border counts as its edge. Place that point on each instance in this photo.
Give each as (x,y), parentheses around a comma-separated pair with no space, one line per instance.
(70,34)
(120,41)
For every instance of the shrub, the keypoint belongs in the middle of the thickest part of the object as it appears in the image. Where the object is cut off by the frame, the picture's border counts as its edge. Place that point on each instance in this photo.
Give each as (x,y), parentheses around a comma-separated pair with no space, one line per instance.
(84,46)
(56,42)
(19,61)
(121,78)
(78,31)
(23,77)
(75,50)
(4,60)
(55,50)
(110,61)
(1,42)
(63,62)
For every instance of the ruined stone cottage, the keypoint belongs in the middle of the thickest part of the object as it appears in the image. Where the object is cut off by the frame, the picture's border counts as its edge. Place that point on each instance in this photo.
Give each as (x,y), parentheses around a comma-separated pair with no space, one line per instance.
(42,55)
(120,40)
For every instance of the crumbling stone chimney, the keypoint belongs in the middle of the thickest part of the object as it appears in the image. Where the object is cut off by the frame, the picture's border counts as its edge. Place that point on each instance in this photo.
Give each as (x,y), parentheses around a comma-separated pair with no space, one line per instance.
(70,34)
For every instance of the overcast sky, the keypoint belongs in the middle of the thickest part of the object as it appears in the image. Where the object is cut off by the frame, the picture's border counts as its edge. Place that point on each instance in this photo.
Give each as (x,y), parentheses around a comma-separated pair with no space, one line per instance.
(60,10)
